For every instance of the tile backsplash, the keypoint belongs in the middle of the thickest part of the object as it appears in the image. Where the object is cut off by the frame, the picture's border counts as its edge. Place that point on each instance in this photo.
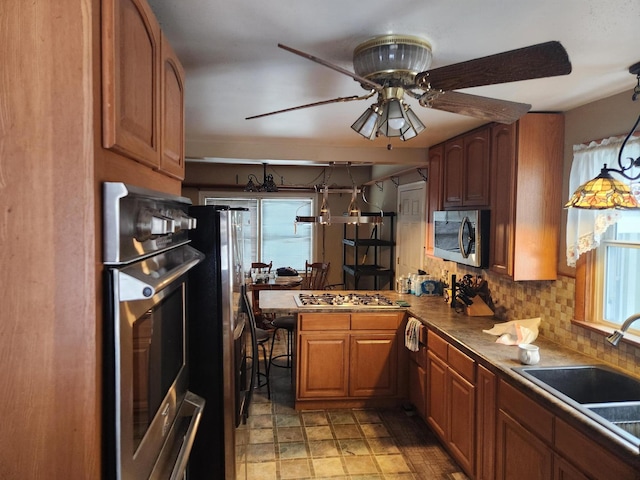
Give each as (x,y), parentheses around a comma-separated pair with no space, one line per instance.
(553,302)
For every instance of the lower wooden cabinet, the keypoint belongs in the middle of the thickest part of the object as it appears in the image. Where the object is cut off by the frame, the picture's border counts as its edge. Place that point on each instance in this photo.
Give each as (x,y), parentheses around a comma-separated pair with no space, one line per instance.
(451,400)
(533,443)
(373,366)
(521,455)
(486,392)
(350,357)
(323,365)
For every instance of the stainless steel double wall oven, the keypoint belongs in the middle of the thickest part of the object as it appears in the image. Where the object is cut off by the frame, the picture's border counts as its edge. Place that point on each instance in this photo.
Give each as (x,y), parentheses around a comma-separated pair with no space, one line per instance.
(151,417)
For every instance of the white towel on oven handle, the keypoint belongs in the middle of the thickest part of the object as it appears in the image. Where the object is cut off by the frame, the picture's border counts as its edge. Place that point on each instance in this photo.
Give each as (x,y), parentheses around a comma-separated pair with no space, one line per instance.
(411,334)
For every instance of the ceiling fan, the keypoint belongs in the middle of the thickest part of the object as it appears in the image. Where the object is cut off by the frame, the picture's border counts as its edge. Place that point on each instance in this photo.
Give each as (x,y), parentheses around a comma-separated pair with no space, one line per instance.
(393,66)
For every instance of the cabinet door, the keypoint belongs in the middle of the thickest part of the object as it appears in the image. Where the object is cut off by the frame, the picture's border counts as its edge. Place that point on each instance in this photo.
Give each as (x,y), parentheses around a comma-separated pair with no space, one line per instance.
(324,365)
(436,395)
(563,470)
(452,173)
(462,428)
(520,455)
(485,424)
(434,190)
(418,388)
(131,80)
(172,113)
(475,169)
(374,365)
(503,164)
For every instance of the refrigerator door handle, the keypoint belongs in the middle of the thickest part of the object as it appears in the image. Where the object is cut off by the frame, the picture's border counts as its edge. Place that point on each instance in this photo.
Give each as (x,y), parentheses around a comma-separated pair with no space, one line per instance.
(254,353)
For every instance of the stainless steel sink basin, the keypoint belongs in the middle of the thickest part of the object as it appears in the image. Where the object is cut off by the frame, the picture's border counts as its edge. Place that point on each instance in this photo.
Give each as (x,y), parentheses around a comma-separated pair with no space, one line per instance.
(586,384)
(605,395)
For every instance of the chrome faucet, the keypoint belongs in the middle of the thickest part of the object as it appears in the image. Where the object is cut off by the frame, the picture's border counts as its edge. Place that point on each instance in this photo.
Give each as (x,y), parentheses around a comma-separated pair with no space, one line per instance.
(615,337)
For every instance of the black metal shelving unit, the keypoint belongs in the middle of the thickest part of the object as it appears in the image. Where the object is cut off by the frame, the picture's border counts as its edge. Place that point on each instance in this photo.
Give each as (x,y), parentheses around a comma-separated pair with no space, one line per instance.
(364,247)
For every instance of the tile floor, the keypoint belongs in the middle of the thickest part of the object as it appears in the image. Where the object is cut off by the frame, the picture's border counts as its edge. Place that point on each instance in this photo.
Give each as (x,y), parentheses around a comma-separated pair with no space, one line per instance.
(338,444)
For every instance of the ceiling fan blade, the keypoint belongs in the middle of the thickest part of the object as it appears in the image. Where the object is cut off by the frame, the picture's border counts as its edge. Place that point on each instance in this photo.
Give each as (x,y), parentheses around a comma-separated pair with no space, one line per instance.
(492,109)
(315,104)
(357,78)
(548,59)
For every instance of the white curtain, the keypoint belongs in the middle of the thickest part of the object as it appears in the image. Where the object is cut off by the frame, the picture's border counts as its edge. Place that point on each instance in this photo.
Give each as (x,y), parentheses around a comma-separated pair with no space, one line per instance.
(586,227)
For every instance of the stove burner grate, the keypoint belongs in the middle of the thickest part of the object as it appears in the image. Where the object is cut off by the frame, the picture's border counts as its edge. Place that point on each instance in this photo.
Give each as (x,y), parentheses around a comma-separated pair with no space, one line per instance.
(343,300)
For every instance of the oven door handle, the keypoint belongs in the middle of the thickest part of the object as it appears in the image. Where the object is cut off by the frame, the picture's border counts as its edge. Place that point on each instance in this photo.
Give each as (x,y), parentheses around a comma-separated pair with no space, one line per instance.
(138,283)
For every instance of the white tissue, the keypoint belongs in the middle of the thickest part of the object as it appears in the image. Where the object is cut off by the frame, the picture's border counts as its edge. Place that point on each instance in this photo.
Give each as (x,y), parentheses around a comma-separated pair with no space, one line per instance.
(516,332)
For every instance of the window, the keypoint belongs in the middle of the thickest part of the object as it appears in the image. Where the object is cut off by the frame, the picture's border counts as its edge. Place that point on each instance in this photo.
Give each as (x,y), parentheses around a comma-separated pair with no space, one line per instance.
(271,233)
(617,267)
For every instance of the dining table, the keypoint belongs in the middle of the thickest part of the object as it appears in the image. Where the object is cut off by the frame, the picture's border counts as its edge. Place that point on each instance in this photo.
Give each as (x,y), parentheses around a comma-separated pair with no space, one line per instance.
(270,283)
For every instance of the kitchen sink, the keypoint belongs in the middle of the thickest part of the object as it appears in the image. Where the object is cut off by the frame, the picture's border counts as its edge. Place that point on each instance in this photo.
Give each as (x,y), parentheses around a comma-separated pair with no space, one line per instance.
(603,394)
(586,384)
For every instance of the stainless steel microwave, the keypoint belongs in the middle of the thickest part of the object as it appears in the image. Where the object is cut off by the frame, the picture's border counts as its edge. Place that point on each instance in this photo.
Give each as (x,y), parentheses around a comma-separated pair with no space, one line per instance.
(462,236)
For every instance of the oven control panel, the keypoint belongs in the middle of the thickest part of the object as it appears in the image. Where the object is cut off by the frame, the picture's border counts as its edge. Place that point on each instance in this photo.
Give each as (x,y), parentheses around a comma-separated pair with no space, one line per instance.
(138,222)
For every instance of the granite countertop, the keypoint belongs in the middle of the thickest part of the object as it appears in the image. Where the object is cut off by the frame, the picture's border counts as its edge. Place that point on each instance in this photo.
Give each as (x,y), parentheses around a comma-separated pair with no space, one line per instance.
(467,334)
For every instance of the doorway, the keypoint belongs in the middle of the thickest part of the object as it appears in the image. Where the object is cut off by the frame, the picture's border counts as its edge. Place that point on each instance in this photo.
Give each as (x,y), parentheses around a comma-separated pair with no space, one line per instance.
(410,242)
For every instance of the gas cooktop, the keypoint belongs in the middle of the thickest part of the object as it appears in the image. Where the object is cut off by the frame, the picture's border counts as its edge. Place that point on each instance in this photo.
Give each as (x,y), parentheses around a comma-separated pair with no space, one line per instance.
(343,300)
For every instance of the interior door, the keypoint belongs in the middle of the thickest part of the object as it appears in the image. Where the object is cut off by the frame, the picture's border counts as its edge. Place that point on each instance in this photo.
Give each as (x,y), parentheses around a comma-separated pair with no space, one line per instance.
(410,243)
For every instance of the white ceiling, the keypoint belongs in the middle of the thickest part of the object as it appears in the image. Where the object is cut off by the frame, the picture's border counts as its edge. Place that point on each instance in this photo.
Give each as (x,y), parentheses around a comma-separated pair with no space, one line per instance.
(234,68)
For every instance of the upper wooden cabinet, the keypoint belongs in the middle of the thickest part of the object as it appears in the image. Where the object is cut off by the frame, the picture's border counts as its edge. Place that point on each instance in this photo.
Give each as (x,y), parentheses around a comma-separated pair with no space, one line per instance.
(434,190)
(172,112)
(526,184)
(143,88)
(466,170)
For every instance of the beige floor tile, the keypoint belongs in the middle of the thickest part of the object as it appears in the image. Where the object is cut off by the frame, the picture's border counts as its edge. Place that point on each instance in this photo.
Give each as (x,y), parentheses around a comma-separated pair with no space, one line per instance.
(290,434)
(262,471)
(347,431)
(261,452)
(360,465)
(287,420)
(260,421)
(375,430)
(260,409)
(323,448)
(319,433)
(341,417)
(328,467)
(315,418)
(353,446)
(261,435)
(383,445)
(367,416)
(287,451)
(295,469)
(392,463)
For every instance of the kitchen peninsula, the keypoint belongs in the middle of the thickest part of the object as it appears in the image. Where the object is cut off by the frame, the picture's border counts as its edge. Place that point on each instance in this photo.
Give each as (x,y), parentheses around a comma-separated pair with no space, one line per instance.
(486,414)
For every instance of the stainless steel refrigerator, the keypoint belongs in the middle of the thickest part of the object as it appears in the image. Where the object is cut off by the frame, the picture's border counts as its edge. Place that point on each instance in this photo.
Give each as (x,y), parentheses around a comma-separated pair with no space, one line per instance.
(221,344)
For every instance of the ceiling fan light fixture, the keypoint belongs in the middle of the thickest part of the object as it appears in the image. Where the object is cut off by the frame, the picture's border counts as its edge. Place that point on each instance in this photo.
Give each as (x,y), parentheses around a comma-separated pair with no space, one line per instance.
(413,126)
(398,56)
(393,122)
(367,124)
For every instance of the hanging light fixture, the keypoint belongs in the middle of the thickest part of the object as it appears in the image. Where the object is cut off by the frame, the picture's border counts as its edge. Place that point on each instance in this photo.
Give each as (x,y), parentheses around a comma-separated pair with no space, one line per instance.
(267,185)
(604,191)
(325,213)
(353,212)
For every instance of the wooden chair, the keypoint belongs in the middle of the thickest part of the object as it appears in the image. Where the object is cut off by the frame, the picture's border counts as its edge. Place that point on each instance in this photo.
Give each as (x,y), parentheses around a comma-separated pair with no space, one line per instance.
(315,275)
(262,267)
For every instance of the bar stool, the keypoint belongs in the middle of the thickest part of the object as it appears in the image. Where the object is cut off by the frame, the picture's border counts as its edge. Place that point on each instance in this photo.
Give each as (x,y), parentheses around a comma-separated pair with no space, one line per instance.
(262,337)
(287,323)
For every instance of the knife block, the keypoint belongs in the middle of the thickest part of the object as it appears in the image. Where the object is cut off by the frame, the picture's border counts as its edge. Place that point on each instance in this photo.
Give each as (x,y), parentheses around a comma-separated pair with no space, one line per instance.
(478,308)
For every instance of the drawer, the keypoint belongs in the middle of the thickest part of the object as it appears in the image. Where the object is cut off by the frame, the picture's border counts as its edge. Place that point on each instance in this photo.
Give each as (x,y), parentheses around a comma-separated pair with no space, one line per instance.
(437,345)
(526,411)
(325,321)
(419,357)
(462,364)
(376,321)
